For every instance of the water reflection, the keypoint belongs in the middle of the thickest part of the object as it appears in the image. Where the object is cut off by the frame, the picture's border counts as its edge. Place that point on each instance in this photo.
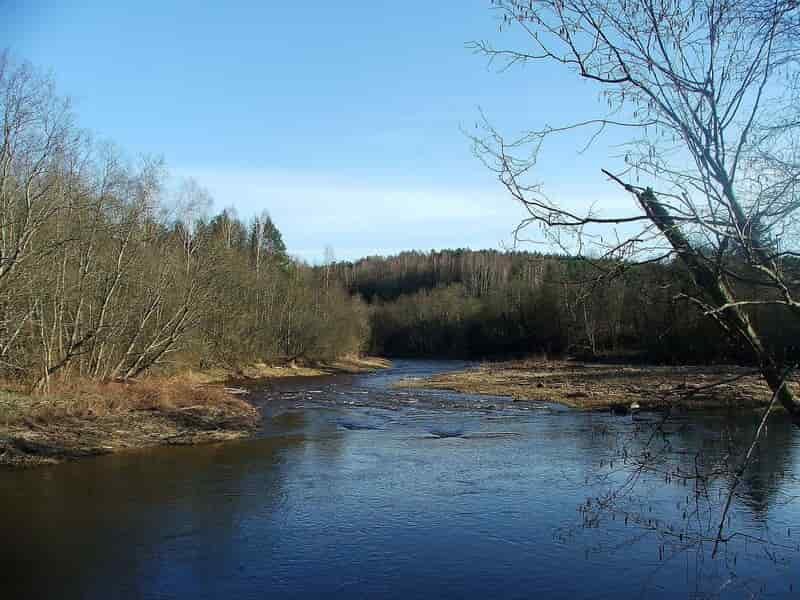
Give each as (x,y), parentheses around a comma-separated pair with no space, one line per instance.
(350,492)
(668,482)
(80,530)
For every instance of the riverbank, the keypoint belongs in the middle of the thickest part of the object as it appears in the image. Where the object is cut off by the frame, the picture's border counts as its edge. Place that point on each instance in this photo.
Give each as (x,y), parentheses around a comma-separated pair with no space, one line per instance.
(598,386)
(262,372)
(193,407)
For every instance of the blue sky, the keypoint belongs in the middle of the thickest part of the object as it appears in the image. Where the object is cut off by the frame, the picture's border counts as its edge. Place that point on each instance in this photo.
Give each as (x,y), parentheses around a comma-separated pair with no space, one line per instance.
(342,119)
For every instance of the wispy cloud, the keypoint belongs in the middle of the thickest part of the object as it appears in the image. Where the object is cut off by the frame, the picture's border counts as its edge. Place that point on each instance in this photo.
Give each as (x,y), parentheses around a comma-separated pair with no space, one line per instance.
(362,216)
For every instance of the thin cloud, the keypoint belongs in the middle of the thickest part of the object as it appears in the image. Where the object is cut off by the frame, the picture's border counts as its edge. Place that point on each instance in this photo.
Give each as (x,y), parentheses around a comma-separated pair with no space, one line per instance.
(363,216)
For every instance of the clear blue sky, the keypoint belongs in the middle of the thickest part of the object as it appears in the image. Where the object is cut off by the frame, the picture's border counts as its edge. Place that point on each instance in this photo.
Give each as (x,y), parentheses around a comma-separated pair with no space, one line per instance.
(340,118)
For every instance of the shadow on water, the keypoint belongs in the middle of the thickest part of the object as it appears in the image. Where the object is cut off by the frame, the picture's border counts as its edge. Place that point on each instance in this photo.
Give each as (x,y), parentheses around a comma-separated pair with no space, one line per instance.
(84,529)
(354,488)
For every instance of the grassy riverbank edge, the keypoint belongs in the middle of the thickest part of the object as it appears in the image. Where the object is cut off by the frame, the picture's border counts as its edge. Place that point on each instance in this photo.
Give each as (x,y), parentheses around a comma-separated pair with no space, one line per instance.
(191,407)
(608,386)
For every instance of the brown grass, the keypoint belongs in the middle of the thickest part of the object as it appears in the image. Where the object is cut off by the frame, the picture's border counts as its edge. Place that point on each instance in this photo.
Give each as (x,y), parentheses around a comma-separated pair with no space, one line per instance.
(263,371)
(87,399)
(597,386)
(86,418)
(79,417)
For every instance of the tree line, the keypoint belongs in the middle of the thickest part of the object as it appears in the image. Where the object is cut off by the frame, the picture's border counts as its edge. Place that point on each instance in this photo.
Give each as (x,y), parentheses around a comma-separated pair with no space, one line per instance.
(476,304)
(107,272)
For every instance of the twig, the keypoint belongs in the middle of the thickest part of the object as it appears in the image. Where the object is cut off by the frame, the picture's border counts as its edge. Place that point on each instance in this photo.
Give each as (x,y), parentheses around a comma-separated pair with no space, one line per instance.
(747,459)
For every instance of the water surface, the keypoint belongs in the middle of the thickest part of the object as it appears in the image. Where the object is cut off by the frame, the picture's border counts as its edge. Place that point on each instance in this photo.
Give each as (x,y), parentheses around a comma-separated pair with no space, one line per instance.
(354,489)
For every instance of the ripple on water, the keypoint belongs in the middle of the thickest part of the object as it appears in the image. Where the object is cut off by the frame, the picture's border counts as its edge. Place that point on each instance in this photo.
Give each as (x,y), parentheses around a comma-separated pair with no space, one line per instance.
(373,501)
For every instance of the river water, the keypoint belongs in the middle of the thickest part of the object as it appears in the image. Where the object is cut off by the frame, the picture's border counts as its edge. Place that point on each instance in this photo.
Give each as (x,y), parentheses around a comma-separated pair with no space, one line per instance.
(354,489)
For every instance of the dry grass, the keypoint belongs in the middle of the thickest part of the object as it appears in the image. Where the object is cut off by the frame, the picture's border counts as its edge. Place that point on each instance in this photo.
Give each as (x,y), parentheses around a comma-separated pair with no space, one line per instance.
(87,418)
(597,386)
(87,399)
(260,370)
(359,364)
(81,418)
(345,365)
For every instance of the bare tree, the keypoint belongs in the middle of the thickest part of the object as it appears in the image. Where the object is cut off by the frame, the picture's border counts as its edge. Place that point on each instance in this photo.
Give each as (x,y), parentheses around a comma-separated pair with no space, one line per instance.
(37,173)
(191,206)
(708,92)
(101,279)
(328,263)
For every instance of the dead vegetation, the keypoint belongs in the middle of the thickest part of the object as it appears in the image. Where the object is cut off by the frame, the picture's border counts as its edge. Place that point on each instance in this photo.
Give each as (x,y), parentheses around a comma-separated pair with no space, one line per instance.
(344,365)
(251,375)
(84,418)
(594,386)
(89,418)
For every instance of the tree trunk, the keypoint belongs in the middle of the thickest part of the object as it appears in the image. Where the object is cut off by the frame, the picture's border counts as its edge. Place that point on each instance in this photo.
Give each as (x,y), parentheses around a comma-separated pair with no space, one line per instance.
(735,319)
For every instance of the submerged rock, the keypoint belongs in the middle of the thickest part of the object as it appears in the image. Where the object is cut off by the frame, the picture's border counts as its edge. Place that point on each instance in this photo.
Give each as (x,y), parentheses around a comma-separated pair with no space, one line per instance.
(357,426)
(445,433)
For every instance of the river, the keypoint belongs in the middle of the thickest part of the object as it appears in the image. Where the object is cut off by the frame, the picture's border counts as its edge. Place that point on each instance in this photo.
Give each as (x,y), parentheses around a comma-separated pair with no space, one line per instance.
(354,489)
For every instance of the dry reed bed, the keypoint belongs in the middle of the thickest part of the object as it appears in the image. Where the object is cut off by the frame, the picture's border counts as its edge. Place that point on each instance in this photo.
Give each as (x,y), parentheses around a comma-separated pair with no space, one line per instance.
(345,365)
(593,386)
(86,418)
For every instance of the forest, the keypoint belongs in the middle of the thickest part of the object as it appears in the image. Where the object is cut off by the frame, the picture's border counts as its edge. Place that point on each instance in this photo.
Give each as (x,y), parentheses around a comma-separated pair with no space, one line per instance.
(110,269)
(492,304)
